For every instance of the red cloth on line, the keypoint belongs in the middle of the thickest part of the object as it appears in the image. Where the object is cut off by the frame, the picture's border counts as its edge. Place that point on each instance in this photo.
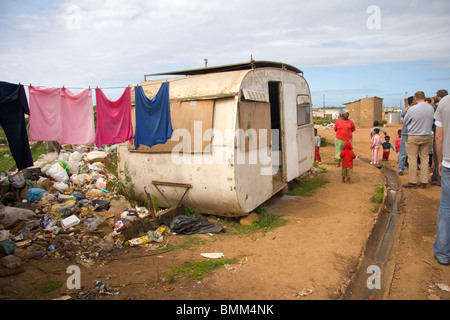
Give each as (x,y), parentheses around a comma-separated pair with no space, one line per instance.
(113,119)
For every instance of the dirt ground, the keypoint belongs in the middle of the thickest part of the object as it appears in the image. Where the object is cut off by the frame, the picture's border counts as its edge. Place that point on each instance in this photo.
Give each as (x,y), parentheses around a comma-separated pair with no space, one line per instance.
(317,250)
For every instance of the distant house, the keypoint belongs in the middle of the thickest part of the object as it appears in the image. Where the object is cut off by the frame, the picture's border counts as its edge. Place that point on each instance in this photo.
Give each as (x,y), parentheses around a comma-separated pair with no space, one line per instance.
(392,115)
(323,113)
(365,111)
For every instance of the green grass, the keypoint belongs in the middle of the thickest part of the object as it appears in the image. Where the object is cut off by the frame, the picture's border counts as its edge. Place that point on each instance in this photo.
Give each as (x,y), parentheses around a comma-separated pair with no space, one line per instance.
(306,188)
(377,198)
(8,162)
(189,242)
(49,286)
(265,222)
(196,270)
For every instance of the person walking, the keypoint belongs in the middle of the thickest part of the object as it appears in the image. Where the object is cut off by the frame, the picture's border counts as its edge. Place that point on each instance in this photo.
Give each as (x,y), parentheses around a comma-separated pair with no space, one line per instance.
(441,245)
(317,143)
(375,146)
(436,177)
(419,123)
(387,146)
(347,155)
(404,136)
(344,128)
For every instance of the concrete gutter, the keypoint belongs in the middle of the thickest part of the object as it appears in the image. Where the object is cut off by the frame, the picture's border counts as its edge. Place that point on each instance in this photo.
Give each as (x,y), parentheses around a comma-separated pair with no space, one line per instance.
(373,277)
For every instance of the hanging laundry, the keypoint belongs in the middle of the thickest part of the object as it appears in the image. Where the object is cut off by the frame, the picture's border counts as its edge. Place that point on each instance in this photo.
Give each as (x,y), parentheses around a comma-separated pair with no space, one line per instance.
(77,117)
(45,113)
(153,122)
(113,119)
(13,107)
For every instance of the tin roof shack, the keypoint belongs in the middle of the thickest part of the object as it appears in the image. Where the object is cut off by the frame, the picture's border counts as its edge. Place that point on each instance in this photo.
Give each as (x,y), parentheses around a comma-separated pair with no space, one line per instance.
(365,111)
(241,133)
(392,115)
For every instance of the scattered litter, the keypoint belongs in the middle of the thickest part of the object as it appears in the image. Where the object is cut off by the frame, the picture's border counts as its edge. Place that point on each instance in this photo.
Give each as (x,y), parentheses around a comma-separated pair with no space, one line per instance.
(213,255)
(70,221)
(182,224)
(168,288)
(443,286)
(70,205)
(303,293)
(103,288)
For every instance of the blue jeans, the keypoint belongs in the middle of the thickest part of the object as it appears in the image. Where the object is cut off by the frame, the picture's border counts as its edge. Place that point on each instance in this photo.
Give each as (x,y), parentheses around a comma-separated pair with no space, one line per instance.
(402,155)
(441,246)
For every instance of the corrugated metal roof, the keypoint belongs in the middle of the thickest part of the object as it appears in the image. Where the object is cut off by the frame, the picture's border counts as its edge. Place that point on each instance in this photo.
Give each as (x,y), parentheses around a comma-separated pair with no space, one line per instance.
(230,67)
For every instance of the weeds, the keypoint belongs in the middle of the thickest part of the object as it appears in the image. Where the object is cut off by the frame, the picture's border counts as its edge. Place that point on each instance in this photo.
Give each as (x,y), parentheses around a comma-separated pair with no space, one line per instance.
(306,188)
(49,286)
(196,270)
(377,198)
(265,222)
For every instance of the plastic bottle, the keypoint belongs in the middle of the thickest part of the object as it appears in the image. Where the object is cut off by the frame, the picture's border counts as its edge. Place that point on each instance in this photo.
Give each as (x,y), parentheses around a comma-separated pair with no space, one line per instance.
(92,225)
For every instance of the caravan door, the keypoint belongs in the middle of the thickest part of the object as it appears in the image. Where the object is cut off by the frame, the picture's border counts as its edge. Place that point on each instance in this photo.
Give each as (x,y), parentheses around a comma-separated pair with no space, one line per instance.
(290,132)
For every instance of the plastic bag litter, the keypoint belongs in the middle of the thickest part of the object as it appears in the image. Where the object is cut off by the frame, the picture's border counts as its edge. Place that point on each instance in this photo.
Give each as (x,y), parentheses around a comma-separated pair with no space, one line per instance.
(212,255)
(58,173)
(190,225)
(35,194)
(10,214)
(46,159)
(75,156)
(61,186)
(96,155)
(17,180)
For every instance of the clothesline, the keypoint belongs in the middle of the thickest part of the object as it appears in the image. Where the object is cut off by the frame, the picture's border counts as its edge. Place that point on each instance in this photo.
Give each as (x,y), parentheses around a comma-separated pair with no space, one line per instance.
(76,88)
(60,115)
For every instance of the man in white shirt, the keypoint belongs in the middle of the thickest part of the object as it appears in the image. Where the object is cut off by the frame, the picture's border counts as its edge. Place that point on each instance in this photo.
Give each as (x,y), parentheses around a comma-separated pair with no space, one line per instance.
(441,246)
(419,123)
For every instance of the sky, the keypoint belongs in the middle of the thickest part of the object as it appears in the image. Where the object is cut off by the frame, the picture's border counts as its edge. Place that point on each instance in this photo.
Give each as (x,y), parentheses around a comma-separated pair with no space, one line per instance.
(347,49)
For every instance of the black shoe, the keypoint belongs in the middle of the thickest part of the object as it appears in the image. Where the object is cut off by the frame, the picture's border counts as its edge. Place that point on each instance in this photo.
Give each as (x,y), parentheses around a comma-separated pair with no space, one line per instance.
(410,185)
(400,173)
(423,186)
(441,263)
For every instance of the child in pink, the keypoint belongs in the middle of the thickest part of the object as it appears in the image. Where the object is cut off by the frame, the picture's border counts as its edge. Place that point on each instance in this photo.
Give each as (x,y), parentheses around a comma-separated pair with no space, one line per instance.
(398,142)
(375,146)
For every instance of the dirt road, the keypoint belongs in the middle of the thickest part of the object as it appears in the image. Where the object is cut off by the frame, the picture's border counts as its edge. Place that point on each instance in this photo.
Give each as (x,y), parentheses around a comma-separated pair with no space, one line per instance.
(318,250)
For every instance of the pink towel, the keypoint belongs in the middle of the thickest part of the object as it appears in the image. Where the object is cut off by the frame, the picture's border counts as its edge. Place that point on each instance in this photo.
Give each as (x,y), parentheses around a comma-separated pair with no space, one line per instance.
(77,114)
(113,119)
(45,113)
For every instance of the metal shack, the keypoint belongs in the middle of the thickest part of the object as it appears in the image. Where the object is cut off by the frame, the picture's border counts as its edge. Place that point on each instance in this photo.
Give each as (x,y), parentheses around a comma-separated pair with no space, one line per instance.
(241,133)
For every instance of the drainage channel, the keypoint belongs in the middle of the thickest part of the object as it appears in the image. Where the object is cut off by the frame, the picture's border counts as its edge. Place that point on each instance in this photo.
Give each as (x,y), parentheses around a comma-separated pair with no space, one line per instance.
(374,274)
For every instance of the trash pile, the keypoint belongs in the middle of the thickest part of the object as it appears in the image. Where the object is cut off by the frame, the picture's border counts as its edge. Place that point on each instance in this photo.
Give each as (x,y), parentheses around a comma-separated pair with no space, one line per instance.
(67,206)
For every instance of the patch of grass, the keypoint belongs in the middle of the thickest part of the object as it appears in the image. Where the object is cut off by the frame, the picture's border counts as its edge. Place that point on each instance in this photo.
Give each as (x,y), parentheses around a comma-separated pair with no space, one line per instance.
(191,212)
(306,188)
(189,242)
(7,162)
(266,222)
(49,286)
(196,270)
(377,198)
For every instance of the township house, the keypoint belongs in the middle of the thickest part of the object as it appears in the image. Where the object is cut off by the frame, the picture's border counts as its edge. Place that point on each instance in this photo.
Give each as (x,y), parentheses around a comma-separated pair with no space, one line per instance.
(364,112)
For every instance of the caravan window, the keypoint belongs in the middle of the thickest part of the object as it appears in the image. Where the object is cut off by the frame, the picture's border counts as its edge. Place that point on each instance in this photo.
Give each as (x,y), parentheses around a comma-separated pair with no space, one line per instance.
(303,113)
